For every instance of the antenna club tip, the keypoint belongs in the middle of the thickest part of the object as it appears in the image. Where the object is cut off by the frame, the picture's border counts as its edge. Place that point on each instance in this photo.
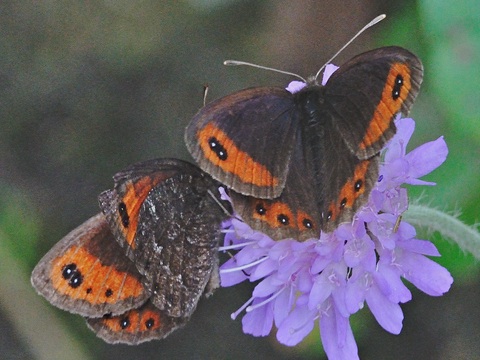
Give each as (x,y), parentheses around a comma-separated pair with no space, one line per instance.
(377,19)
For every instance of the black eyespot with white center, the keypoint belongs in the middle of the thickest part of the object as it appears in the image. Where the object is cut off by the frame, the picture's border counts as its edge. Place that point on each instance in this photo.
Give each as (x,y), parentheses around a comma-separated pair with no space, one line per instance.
(108,293)
(397,87)
(343,203)
(76,280)
(260,209)
(124,322)
(329,216)
(218,148)
(283,219)
(358,185)
(307,223)
(71,273)
(149,323)
(68,270)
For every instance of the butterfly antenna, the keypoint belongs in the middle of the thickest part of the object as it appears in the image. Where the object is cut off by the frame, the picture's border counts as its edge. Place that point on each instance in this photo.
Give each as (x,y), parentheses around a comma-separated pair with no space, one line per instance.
(205,93)
(369,25)
(239,63)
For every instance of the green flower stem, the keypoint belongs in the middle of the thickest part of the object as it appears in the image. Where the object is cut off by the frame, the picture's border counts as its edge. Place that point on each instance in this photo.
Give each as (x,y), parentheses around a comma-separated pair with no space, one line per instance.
(467,237)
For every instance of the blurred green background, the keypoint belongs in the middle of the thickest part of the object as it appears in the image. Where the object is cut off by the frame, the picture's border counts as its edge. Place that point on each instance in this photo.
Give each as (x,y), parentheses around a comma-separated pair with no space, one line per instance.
(87,88)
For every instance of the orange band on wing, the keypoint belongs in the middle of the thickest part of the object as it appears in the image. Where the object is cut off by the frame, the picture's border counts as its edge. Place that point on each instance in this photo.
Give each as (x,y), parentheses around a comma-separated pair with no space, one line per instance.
(304,219)
(97,284)
(135,195)
(237,162)
(274,212)
(388,105)
(278,215)
(134,321)
(353,188)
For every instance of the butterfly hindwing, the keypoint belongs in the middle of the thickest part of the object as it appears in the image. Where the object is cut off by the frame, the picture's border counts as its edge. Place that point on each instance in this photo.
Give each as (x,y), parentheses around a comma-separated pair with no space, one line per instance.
(136,326)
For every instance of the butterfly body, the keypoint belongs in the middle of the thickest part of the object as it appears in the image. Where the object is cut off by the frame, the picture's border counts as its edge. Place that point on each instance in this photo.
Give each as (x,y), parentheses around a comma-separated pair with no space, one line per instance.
(306,161)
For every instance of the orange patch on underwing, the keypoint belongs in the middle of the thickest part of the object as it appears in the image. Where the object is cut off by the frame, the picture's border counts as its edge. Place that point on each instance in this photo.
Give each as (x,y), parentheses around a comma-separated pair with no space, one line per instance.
(387,106)
(301,216)
(96,278)
(349,192)
(135,195)
(137,320)
(274,210)
(149,315)
(237,162)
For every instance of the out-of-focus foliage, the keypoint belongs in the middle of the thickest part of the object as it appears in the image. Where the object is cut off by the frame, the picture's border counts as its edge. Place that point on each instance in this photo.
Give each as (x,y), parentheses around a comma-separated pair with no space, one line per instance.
(87,88)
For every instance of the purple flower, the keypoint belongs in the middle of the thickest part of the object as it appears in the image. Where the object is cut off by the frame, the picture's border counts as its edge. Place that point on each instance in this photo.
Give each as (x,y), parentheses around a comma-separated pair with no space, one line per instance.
(328,279)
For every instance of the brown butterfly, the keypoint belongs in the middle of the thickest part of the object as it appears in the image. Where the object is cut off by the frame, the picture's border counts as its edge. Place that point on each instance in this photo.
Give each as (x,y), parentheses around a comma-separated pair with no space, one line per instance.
(137,270)
(306,161)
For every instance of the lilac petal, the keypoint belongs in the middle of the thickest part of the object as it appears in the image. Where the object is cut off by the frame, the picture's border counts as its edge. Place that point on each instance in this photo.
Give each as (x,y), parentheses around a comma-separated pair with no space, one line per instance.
(319,264)
(396,202)
(326,282)
(262,270)
(321,290)
(425,274)
(295,86)
(259,321)
(355,291)
(406,231)
(329,70)
(266,287)
(419,246)
(231,278)
(358,250)
(283,305)
(249,254)
(223,194)
(338,297)
(427,157)
(388,281)
(389,315)
(304,280)
(396,148)
(337,336)
(383,230)
(296,326)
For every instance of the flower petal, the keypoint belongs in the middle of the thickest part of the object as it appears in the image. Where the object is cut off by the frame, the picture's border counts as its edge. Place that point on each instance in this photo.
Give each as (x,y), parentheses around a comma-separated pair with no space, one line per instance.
(337,336)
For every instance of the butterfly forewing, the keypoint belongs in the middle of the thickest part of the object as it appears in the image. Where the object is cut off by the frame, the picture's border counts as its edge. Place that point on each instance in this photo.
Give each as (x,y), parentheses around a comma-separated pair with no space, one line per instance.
(86,273)
(367,92)
(231,139)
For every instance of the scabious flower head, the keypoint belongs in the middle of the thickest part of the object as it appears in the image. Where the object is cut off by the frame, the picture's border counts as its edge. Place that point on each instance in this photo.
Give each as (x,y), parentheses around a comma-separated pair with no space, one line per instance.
(326,280)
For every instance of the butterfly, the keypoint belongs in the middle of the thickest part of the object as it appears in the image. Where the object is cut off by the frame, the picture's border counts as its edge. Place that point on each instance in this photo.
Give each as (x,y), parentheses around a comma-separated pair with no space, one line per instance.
(298,163)
(137,270)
